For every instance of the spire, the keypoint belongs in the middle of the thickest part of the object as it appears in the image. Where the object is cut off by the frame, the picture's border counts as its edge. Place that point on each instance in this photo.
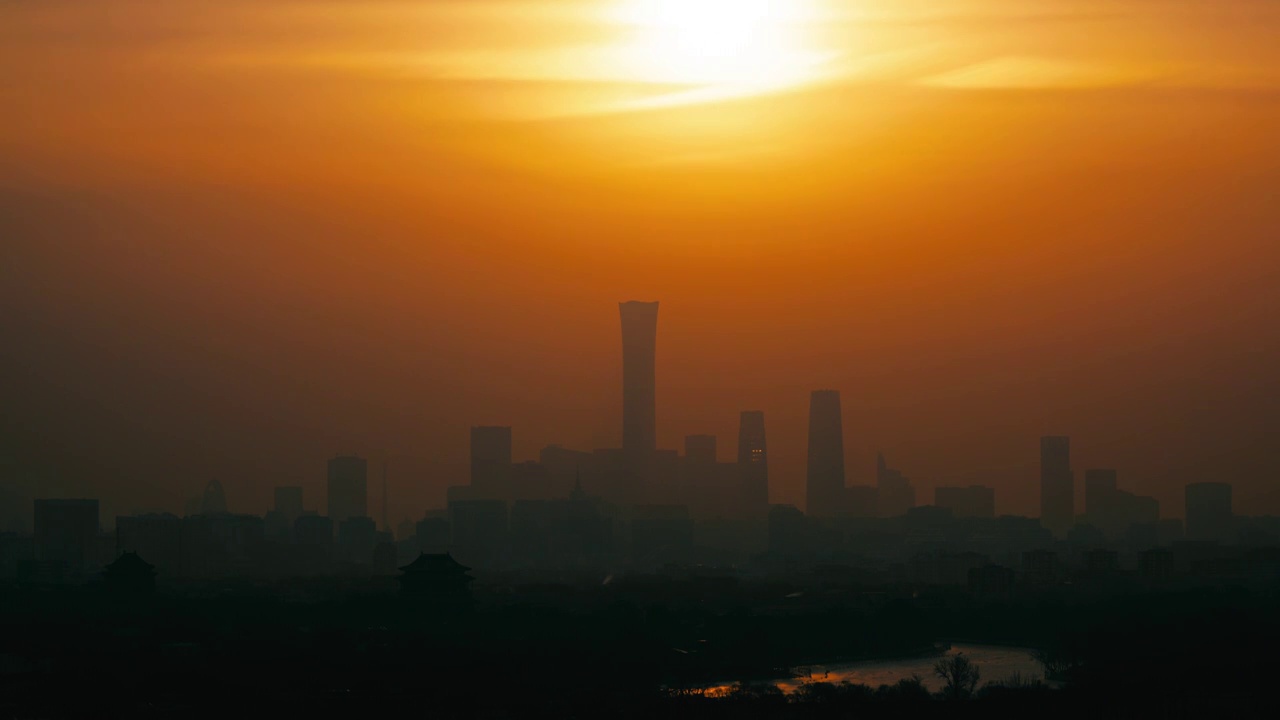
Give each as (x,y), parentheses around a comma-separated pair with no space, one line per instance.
(577,493)
(386,526)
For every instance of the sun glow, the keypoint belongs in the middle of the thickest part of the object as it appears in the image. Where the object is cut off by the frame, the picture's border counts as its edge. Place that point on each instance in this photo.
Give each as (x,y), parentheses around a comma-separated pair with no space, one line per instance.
(743,44)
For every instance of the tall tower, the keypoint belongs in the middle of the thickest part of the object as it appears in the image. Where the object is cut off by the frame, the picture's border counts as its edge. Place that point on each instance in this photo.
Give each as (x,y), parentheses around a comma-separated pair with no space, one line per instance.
(639,381)
(348,488)
(1057,485)
(753,459)
(825,477)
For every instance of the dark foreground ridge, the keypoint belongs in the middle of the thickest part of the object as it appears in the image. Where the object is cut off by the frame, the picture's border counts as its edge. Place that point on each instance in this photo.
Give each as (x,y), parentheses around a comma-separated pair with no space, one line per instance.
(635,647)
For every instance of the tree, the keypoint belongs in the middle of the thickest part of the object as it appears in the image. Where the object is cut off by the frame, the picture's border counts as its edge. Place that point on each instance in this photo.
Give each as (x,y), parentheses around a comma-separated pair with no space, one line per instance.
(960,675)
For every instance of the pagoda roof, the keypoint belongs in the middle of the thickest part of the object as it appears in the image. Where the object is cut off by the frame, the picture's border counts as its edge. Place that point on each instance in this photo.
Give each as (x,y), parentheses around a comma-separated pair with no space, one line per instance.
(435,563)
(130,562)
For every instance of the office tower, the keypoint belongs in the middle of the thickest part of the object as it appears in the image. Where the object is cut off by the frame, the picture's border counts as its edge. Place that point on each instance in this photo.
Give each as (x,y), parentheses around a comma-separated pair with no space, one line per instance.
(824,479)
(348,489)
(974,501)
(1057,485)
(753,459)
(214,500)
(895,495)
(1209,514)
(491,462)
(155,538)
(289,503)
(700,449)
(66,533)
(639,382)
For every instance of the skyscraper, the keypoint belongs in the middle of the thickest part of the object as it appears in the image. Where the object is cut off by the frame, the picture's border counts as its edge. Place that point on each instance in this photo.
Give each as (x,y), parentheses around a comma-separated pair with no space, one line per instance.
(824,487)
(348,488)
(1057,485)
(214,500)
(491,462)
(639,382)
(753,458)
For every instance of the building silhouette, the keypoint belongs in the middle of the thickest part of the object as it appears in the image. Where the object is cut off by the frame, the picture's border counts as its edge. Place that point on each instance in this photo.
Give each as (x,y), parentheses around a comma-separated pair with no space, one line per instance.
(214,500)
(639,382)
(491,462)
(437,580)
(824,478)
(1057,485)
(1209,512)
(895,495)
(753,460)
(348,488)
(700,449)
(288,502)
(130,575)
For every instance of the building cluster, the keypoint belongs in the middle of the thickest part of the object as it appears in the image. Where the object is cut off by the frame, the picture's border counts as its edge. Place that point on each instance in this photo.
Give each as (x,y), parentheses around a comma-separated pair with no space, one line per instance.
(636,506)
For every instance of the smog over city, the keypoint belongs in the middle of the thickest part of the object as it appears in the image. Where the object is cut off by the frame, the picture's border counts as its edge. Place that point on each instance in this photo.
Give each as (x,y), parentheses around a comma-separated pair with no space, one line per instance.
(636,358)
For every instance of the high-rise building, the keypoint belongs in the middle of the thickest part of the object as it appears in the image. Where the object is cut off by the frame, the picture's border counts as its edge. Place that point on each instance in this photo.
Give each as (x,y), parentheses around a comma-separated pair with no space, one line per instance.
(214,501)
(639,382)
(348,488)
(753,458)
(66,533)
(289,503)
(824,478)
(1057,485)
(491,462)
(895,495)
(1209,512)
(700,449)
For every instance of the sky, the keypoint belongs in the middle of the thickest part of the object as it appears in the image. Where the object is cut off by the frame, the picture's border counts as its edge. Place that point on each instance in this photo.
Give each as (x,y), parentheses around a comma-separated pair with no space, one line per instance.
(237,238)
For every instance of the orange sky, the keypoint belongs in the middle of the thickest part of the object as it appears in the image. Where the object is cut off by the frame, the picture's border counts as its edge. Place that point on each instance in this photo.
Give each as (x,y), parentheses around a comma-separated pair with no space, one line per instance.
(241,236)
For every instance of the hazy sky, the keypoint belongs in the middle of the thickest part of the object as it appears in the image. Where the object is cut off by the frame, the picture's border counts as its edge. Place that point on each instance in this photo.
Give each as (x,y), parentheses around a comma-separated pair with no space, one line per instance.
(237,237)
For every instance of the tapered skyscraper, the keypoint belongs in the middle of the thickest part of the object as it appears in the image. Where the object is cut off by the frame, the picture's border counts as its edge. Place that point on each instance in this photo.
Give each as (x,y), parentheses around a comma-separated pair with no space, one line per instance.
(825,477)
(753,461)
(639,381)
(1057,485)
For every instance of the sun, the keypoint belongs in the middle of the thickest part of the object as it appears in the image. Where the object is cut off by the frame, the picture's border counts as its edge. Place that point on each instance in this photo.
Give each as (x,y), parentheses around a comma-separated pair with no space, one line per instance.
(718,42)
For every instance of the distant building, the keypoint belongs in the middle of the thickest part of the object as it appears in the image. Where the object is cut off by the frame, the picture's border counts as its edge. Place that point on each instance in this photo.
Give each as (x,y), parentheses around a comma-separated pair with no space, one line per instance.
(661,533)
(348,488)
(432,534)
(214,500)
(753,458)
(1040,567)
(895,495)
(1209,512)
(491,462)
(130,575)
(479,530)
(437,580)
(639,383)
(824,477)
(1057,485)
(156,536)
(1100,487)
(66,533)
(288,502)
(790,534)
(975,501)
(700,449)
(357,537)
